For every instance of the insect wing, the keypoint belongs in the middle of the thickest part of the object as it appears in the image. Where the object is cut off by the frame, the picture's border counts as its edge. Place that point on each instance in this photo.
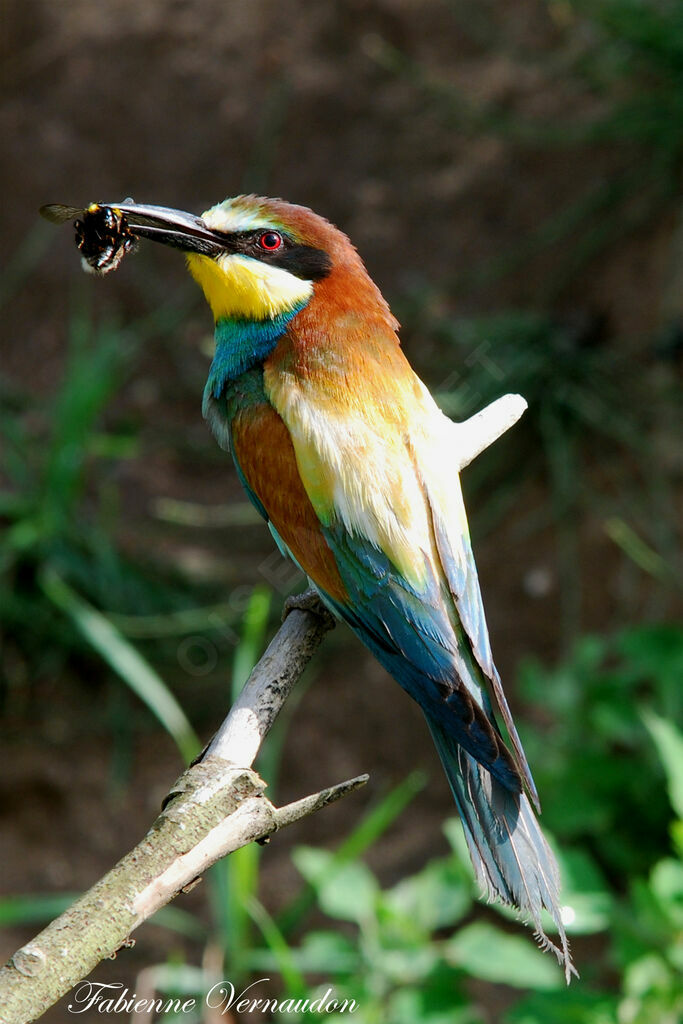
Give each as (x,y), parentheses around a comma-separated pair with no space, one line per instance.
(58,214)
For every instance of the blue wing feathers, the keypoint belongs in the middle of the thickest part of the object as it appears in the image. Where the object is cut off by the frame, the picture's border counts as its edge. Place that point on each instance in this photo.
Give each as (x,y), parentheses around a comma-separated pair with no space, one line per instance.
(445,665)
(414,638)
(434,641)
(512,861)
(463,581)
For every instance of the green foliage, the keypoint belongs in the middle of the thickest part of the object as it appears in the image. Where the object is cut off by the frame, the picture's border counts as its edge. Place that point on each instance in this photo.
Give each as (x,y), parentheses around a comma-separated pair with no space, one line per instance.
(414,943)
(483,951)
(60,558)
(123,658)
(58,509)
(408,952)
(669,745)
(624,59)
(596,702)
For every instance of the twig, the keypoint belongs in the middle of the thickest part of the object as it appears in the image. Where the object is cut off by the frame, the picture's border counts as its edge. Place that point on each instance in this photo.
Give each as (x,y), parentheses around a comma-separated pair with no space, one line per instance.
(481,430)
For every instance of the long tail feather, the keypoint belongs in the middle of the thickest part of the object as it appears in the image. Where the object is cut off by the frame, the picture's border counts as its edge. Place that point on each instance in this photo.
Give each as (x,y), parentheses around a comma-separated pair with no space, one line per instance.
(512,860)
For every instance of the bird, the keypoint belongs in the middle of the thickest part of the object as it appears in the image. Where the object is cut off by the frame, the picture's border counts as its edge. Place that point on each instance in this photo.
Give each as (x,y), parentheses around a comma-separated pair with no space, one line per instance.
(349,460)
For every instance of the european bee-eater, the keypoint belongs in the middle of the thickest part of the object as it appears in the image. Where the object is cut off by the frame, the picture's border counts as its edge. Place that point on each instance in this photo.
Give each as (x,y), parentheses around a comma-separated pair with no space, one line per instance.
(347,457)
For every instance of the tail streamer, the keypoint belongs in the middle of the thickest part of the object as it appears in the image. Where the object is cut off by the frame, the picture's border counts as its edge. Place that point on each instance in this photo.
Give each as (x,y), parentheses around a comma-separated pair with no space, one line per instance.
(512,860)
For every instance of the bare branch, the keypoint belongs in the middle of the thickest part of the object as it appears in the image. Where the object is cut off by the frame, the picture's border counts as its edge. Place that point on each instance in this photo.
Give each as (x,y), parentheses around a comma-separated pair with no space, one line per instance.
(216,806)
(267,688)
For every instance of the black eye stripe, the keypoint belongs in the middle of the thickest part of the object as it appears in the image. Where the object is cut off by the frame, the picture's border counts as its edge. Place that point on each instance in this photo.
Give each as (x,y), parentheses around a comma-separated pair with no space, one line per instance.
(304,261)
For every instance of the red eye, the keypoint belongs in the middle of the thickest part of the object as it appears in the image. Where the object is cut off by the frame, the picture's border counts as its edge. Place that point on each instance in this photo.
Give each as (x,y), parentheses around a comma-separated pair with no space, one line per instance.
(270,240)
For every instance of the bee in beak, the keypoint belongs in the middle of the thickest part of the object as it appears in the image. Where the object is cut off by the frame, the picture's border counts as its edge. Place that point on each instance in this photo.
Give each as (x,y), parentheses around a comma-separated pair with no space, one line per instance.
(106,232)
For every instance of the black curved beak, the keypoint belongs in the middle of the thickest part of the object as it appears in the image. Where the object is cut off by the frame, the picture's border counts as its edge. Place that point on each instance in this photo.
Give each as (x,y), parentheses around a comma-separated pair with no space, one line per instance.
(176,228)
(181,230)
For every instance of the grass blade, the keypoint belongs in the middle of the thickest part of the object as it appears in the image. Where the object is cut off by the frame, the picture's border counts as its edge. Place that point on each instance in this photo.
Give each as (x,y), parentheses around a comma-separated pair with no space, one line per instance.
(278,946)
(113,647)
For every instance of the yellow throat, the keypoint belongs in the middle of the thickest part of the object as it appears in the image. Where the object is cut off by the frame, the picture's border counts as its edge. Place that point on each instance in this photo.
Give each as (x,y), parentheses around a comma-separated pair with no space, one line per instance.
(239,287)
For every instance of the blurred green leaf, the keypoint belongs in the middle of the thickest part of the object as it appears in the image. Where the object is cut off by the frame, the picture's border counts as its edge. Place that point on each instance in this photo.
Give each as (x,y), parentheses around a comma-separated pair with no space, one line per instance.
(368,830)
(435,897)
(255,623)
(189,513)
(637,550)
(346,891)
(18,910)
(488,953)
(379,818)
(328,953)
(666,881)
(181,921)
(574,1005)
(403,964)
(212,618)
(429,1005)
(276,943)
(44,907)
(453,831)
(669,742)
(595,755)
(93,373)
(677,836)
(586,900)
(648,973)
(178,978)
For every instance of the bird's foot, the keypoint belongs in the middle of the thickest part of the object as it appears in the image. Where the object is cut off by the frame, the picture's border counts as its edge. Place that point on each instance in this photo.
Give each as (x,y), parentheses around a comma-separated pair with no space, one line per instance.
(308,601)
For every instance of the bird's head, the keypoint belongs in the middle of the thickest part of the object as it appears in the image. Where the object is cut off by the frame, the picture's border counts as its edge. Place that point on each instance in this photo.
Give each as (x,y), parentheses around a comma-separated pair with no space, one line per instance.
(254,258)
(260,263)
(269,256)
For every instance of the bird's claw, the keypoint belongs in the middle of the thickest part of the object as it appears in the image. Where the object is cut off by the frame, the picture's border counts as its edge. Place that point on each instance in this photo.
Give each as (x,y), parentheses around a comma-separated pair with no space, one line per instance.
(308,601)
